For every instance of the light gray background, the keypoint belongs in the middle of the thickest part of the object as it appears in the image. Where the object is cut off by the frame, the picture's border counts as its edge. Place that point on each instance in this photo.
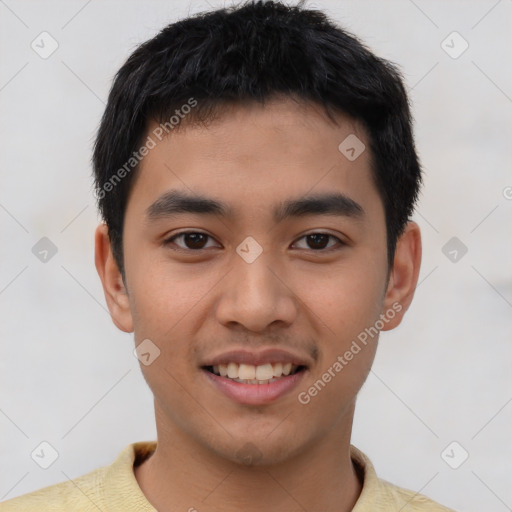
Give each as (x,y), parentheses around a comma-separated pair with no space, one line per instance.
(68,376)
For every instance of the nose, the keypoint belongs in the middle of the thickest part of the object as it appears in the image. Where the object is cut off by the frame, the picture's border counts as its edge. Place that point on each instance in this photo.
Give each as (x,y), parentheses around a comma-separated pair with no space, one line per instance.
(256,296)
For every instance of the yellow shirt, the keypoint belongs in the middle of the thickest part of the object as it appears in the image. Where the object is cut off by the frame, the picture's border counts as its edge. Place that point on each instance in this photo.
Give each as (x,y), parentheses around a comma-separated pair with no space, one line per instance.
(114,488)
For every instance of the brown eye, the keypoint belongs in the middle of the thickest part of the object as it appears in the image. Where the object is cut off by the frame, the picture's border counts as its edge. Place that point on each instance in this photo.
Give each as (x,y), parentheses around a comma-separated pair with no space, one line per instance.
(190,240)
(318,242)
(194,240)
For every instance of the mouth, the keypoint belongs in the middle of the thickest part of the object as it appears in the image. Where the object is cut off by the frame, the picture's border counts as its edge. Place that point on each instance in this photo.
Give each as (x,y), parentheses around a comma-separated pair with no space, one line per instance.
(255,374)
(251,378)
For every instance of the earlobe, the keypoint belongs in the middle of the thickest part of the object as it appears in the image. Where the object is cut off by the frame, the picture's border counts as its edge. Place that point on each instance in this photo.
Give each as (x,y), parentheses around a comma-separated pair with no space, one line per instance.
(114,288)
(403,277)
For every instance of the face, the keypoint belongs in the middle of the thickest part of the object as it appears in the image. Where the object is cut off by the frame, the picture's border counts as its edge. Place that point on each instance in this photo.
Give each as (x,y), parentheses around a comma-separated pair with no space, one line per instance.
(254,247)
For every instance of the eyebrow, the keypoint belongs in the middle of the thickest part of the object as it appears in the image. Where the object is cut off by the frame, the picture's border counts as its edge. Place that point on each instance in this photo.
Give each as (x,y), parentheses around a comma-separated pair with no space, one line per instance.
(321,204)
(175,202)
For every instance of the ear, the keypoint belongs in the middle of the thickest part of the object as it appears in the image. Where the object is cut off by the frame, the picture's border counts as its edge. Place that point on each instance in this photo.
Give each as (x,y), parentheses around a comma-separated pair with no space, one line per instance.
(114,288)
(403,276)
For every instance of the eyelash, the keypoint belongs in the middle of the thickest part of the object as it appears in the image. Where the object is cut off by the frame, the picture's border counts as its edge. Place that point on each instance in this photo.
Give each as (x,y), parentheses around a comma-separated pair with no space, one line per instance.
(171,240)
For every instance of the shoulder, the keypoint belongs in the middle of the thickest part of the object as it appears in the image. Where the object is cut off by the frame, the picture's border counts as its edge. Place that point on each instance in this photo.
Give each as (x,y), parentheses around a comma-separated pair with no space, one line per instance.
(378,495)
(79,494)
(408,501)
(112,487)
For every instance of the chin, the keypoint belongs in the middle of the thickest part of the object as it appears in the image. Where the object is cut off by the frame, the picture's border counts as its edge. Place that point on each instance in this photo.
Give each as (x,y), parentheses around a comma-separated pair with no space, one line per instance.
(258,451)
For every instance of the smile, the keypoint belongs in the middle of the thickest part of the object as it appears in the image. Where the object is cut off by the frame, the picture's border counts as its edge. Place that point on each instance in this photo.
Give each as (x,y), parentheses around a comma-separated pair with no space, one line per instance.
(252,374)
(255,391)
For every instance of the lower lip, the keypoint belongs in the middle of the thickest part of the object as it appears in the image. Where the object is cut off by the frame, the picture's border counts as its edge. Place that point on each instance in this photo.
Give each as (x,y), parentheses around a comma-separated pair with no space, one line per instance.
(255,394)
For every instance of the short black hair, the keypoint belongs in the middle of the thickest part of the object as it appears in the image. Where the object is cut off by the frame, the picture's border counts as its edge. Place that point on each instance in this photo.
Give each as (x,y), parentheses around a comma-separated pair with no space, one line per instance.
(251,53)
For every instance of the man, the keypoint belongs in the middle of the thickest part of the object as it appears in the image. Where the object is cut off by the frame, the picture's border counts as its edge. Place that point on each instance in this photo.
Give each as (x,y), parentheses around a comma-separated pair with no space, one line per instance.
(256,171)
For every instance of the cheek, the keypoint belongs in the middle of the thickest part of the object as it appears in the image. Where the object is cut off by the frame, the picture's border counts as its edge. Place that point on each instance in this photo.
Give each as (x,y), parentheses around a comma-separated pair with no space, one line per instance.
(160,311)
(169,308)
(344,307)
(163,297)
(346,299)
(346,350)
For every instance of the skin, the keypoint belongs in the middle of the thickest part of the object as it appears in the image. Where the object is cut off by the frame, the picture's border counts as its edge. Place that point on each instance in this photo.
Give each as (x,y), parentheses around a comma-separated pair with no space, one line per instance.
(194,305)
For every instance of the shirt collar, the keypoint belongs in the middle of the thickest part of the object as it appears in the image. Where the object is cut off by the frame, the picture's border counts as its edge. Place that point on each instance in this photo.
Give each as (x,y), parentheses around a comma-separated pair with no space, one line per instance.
(120,480)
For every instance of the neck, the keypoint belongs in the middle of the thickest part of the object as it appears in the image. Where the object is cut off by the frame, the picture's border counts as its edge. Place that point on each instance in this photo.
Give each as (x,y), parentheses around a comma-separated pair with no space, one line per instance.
(183,475)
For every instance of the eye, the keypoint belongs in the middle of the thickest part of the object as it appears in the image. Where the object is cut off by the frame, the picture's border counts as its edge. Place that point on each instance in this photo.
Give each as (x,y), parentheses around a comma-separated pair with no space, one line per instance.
(190,240)
(319,241)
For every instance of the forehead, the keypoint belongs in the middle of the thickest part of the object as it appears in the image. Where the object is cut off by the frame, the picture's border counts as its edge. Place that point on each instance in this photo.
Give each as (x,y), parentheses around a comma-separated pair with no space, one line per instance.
(252,155)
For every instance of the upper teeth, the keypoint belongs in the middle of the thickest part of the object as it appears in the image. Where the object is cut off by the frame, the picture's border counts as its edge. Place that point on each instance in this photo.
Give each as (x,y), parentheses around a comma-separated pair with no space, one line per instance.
(248,372)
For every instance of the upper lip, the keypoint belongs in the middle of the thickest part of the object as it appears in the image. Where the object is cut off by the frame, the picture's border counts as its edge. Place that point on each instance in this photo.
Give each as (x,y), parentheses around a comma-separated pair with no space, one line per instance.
(257,358)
